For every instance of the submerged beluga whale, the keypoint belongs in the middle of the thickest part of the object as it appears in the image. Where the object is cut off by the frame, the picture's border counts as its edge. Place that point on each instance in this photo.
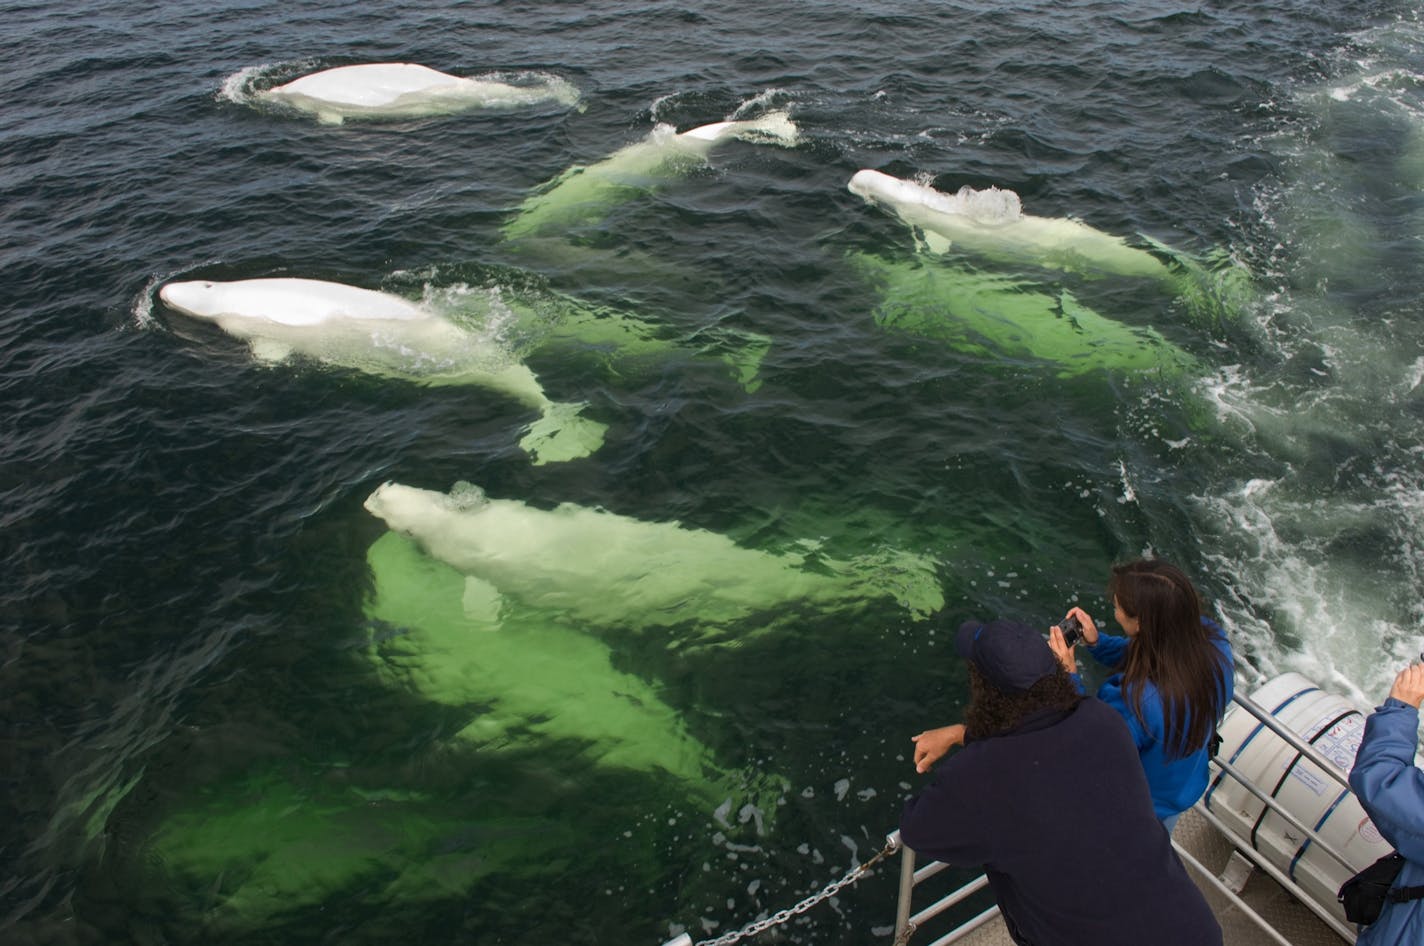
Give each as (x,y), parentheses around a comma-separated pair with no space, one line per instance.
(406,90)
(594,567)
(530,681)
(1000,317)
(582,195)
(384,335)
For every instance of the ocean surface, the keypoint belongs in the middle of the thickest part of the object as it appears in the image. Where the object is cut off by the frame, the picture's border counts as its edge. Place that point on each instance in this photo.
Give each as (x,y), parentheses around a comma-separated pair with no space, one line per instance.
(238,707)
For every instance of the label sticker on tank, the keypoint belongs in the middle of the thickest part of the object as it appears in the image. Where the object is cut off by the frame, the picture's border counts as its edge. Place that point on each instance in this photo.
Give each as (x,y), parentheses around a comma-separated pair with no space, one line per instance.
(1341,741)
(1309,777)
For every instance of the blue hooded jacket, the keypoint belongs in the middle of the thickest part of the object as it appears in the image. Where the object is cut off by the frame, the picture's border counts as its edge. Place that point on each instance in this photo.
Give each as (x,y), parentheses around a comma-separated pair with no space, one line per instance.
(1176,784)
(1390,788)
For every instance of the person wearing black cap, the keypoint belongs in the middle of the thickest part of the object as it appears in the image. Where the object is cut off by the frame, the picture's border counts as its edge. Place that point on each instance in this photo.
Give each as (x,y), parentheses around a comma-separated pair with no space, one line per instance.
(1048,796)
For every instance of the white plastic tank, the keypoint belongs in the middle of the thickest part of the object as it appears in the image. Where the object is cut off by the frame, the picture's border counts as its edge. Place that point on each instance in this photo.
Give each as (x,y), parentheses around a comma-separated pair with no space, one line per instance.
(1334,726)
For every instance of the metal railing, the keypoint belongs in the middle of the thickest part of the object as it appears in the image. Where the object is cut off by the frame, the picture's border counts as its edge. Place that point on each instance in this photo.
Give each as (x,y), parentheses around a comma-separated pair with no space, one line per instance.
(906,923)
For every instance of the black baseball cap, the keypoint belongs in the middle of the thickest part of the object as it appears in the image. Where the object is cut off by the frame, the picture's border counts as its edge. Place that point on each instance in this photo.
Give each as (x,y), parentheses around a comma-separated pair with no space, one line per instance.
(1010,655)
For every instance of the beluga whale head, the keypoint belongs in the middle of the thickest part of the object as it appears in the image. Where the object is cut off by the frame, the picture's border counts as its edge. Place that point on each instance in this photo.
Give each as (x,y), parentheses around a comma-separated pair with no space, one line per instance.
(197,298)
(418,512)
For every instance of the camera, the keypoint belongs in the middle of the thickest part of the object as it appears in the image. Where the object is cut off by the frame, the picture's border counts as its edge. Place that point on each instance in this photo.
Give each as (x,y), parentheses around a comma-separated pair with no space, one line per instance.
(1072,630)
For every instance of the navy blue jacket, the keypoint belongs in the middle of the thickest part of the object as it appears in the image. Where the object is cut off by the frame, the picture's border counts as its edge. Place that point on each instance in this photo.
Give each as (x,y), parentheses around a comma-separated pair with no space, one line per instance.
(1059,815)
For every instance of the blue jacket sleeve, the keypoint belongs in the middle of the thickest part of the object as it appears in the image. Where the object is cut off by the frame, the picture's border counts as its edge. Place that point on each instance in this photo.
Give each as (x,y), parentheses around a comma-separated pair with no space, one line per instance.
(1387,782)
(1109,650)
(1229,677)
(1144,732)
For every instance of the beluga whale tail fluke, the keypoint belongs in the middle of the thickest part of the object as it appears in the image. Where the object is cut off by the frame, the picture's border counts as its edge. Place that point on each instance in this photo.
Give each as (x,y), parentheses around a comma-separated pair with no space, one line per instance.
(384,335)
(582,196)
(396,90)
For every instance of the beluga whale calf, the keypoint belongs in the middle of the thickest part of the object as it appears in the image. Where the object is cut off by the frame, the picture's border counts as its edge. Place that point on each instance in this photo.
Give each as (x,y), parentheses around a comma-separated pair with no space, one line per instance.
(583,195)
(393,90)
(384,335)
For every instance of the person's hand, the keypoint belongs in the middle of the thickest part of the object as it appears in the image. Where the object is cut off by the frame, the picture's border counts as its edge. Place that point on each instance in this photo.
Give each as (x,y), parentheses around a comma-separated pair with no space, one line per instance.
(1090,630)
(1061,650)
(932,744)
(1409,685)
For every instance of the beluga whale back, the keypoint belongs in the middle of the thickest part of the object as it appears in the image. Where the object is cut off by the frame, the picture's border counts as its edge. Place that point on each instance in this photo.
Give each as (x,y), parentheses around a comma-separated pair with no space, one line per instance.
(385,335)
(406,90)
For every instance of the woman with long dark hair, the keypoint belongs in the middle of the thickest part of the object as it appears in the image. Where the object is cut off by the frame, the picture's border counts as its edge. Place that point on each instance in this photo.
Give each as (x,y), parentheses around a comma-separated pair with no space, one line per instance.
(1174,675)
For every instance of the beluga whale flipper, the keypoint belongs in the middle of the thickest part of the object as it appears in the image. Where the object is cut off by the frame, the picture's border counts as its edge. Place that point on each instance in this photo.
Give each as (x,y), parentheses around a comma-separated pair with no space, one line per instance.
(406,90)
(384,335)
(583,195)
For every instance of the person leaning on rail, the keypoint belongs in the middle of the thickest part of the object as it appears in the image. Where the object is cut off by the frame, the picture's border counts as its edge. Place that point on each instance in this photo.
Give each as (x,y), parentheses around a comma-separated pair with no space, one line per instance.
(1047,795)
(1390,788)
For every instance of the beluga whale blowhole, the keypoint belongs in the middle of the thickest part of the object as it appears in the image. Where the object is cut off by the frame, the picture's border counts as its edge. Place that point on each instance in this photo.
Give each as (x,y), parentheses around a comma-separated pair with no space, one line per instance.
(394,90)
(384,335)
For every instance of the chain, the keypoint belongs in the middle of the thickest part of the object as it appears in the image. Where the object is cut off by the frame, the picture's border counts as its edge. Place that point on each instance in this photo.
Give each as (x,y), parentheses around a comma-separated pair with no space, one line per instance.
(776,919)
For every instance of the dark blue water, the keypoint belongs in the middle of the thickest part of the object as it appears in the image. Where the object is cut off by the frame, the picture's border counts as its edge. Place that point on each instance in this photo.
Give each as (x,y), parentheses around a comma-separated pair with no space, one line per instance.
(210,731)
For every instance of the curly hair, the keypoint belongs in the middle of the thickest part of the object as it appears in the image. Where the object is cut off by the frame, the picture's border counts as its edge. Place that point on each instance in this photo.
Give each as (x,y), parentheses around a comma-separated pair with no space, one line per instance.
(993,712)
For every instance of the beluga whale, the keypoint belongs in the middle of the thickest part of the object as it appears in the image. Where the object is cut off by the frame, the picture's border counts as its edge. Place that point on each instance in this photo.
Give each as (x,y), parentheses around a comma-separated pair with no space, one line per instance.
(992,222)
(596,568)
(385,335)
(440,642)
(994,316)
(583,195)
(394,90)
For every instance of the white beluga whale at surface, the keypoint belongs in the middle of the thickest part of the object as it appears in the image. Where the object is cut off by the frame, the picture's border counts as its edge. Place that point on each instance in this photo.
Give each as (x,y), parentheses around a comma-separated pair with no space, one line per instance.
(595,567)
(384,335)
(406,90)
(992,222)
(583,195)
